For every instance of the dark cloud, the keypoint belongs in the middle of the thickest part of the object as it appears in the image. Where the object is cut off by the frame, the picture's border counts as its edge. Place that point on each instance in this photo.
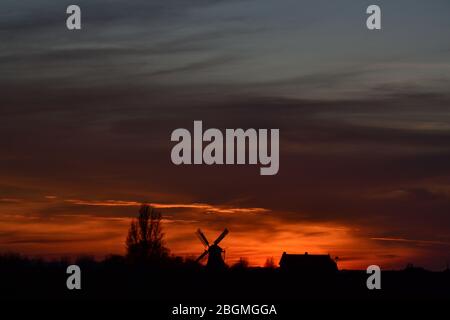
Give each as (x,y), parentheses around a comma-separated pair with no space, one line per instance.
(31,17)
(196,66)
(331,168)
(51,239)
(88,115)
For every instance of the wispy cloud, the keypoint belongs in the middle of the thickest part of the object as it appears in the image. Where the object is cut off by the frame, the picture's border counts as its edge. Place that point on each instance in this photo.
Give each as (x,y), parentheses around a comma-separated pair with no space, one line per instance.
(199,206)
(420,242)
(10,200)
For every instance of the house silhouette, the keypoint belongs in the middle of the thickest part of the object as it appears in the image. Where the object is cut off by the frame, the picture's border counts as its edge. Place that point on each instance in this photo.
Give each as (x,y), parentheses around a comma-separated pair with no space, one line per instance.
(308,263)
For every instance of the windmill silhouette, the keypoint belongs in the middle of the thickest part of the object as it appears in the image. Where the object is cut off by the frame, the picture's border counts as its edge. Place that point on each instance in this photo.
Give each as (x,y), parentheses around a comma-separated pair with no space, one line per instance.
(213,251)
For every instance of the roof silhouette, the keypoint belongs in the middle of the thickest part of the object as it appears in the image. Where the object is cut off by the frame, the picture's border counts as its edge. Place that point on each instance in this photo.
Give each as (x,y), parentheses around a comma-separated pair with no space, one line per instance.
(310,263)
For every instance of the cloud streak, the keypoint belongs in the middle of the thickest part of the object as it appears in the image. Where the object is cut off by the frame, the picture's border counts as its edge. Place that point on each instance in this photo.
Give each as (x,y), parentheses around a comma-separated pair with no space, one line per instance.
(200,206)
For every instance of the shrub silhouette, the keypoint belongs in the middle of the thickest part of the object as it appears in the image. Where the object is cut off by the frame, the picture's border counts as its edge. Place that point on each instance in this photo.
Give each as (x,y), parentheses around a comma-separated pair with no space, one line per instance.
(241,264)
(270,263)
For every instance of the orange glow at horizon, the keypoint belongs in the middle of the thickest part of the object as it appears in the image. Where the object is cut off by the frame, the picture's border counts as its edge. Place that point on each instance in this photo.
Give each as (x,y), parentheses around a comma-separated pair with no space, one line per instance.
(89,234)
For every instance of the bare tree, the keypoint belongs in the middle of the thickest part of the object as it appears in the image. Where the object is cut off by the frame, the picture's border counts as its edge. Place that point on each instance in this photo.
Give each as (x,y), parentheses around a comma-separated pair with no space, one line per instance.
(270,263)
(145,237)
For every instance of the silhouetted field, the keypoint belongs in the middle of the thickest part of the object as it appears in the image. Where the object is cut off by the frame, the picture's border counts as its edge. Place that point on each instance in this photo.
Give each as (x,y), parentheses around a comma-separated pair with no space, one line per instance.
(178,281)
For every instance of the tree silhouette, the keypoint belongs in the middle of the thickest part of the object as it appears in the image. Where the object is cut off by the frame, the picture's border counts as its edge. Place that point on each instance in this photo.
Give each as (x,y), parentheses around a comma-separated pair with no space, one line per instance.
(145,237)
(270,263)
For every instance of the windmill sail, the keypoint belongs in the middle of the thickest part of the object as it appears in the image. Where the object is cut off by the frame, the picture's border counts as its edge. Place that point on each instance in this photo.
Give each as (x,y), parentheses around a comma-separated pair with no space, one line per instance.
(202,256)
(202,238)
(222,235)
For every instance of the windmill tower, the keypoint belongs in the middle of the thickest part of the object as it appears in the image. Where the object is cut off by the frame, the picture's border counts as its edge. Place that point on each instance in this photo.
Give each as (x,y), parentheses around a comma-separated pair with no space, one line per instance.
(213,251)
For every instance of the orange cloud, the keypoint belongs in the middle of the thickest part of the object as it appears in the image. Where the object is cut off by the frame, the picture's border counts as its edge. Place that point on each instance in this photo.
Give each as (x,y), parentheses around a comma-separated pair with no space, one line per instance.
(201,206)
(255,238)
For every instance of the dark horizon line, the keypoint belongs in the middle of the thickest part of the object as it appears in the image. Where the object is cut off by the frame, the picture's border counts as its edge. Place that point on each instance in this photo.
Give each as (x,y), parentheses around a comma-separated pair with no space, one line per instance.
(96,259)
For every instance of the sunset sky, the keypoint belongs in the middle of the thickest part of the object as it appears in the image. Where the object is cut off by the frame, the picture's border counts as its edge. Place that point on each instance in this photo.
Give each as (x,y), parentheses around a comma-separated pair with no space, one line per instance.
(364,119)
